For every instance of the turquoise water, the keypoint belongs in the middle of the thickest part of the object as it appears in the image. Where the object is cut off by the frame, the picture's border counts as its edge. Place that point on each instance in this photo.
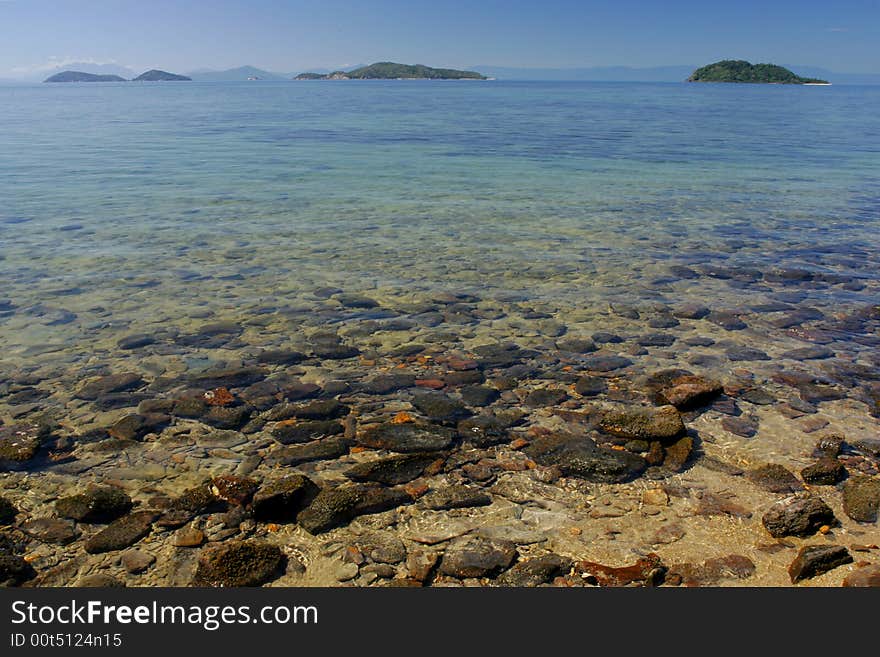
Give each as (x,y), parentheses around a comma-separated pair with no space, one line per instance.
(136,207)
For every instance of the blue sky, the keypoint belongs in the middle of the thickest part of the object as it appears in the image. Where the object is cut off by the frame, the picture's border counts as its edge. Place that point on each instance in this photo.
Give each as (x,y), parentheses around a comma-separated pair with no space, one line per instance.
(298,35)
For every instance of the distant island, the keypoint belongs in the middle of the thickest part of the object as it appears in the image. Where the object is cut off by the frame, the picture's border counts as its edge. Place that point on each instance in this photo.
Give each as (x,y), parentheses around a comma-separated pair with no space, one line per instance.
(150,76)
(738,70)
(392,71)
(161,76)
(79,76)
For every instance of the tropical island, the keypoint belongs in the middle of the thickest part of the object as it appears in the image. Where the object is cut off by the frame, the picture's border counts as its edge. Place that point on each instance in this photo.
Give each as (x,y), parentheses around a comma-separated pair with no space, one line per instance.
(738,70)
(161,76)
(150,76)
(392,71)
(79,76)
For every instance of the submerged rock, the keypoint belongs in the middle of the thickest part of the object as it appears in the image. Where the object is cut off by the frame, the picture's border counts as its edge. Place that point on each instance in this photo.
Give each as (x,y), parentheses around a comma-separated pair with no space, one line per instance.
(238,563)
(19,444)
(536,571)
(814,560)
(824,472)
(14,570)
(394,469)
(688,392)
(636,423)
(775,479)
(455,497)
(440,408)
(108,384)
(97,504)
(647,571)
(579,456)
(7,511)
(799,515)
(122,532)
(287,433)
(319,450)
(283,499)
(408,437)
(473,556)
(861,498)
(334,507)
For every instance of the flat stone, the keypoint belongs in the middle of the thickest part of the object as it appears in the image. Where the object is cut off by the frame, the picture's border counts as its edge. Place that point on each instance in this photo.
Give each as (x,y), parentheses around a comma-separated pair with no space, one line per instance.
(455,497)
(97,504)
(238,563)
(775,479)
(121,533)
(577,456)
(479,396)
(438,407)
(394,470)
(483,430)
(409,437)
(473,556)
(605,363)
(712,571)
(745,427)
(333,507)
(799,515)
(861,498)
(137,561)
(545,397)
(111,383)
(536,571)
(51,530)
(739,353)
(814,560)
(304,432)
(319,450)
(863,577)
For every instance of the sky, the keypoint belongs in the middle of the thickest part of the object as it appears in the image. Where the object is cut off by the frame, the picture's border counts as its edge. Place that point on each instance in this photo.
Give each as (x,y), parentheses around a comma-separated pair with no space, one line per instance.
(299,35)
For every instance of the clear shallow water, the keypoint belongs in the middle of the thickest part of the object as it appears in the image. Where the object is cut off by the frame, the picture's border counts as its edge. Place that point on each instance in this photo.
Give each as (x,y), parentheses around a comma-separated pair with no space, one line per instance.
(134,206)
(184,237)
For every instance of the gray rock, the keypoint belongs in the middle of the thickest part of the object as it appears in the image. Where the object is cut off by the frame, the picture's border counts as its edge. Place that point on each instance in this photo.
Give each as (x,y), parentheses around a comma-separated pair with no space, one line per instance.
(304,432)
(814,560)
(334,507)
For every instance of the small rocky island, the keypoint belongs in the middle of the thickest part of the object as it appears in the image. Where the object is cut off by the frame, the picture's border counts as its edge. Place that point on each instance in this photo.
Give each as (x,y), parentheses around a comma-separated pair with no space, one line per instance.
(392,71)
(153,75)
(79,76)
(161,76)
(738,70)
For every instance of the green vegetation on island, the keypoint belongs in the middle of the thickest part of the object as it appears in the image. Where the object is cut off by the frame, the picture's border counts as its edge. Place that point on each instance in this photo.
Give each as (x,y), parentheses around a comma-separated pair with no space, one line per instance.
(161,76)
(79,76)
(738,70)
(392,71)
